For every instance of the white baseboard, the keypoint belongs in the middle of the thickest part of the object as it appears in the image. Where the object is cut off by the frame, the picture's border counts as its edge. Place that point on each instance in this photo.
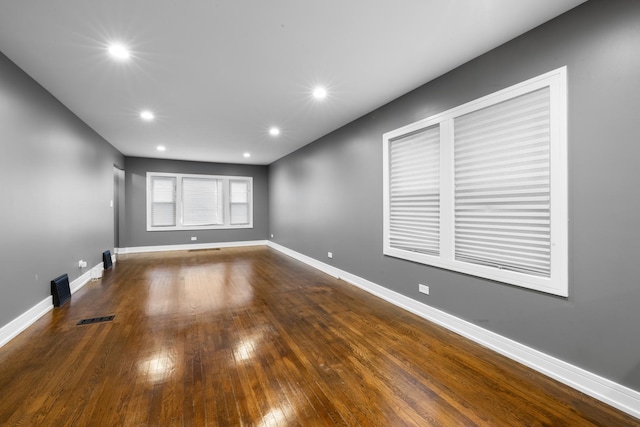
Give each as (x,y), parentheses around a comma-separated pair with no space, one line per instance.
(188,247)
(78,283)
(26,319)
(605,390)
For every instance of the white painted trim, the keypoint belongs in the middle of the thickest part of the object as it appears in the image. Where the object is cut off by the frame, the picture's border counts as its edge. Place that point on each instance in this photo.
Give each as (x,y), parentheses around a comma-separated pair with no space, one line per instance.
(26,319)
(179,185)
(78,283)
(166,248)
(605,390)
(558,281)
(95,273)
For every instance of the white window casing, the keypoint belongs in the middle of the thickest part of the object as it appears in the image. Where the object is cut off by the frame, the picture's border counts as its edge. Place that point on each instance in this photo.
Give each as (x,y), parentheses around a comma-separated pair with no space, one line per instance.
(501,173)
(198,202)
(239,202)
(162,196)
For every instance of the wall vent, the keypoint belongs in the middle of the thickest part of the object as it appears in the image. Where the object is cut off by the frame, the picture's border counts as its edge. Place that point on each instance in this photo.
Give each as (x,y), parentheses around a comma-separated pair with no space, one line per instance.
(106,260)
(60,290)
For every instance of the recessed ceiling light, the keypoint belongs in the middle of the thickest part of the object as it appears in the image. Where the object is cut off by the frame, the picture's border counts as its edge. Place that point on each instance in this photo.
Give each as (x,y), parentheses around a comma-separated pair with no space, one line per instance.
(247,155)
(319,93)
(161,148)
(274,131)
(118,51)
(147,115)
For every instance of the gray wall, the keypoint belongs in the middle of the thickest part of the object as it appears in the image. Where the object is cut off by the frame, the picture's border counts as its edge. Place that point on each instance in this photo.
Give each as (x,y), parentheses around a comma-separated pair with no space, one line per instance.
(57,184)
(136,233)
(328,195)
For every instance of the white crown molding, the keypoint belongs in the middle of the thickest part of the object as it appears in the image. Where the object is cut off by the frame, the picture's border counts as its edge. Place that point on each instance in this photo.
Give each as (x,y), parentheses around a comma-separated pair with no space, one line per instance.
(601,388)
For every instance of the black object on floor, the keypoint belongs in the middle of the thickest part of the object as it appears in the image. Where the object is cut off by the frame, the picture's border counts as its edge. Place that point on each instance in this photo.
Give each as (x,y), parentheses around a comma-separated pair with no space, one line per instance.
(106,259)
(96,320)
(60,290)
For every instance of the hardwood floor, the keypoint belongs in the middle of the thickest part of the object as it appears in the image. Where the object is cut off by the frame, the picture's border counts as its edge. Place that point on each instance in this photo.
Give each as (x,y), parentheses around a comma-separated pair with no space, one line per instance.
(249,336)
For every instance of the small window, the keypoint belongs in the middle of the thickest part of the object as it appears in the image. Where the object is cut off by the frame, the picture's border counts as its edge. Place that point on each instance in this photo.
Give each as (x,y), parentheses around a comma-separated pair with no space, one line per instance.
(239,204)
(163,201)
(192,202)
(482,188)
(202,201)
(414,191)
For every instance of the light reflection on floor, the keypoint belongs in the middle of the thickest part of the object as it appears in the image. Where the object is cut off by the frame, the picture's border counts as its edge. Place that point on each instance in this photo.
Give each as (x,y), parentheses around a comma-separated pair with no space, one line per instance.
(158,368)
(225,286)
(276,417)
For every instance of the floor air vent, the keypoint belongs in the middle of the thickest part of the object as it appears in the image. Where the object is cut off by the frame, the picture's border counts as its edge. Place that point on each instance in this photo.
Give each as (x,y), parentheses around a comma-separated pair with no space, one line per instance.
(60,290)
(96,320)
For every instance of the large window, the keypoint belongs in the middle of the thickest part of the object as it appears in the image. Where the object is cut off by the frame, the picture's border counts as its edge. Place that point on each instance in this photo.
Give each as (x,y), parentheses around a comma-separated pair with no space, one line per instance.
(191,202)
(482,188)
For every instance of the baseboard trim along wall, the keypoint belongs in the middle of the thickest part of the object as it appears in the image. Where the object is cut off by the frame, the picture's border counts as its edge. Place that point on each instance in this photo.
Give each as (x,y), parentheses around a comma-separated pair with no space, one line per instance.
(605,390)
(188,247)
(26,319)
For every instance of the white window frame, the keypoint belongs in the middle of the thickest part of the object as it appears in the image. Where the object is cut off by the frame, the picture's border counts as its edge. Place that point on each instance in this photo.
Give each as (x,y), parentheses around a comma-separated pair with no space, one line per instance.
(557,283)
(226,182)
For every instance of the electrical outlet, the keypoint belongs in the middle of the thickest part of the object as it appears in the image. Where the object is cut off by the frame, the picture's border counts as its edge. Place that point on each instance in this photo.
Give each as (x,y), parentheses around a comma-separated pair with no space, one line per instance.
(330,254)
(194,238)
(423,289)
(82,264)
(272,236)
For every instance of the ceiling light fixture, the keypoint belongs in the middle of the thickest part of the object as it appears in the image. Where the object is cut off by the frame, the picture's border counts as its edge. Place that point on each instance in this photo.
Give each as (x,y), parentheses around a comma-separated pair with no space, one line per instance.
(118,51)
(319,93)
(274,131)
(161,148)
(247,155)
(147,115)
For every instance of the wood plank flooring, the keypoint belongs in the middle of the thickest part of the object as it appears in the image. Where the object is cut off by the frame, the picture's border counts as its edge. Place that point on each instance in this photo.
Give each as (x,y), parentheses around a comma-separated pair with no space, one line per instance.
(248,336)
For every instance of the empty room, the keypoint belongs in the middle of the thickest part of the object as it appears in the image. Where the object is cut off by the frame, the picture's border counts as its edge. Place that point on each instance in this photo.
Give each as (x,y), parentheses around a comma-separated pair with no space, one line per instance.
(319,213)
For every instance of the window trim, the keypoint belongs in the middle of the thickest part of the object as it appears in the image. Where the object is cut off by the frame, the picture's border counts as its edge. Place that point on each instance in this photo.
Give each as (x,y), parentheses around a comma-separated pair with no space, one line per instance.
(557,283)
(226,180)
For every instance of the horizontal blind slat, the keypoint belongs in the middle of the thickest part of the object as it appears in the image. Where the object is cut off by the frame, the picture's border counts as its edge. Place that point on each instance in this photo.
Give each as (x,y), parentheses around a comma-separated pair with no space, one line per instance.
(163,201)
(202,201)
(414,193)
(502,194)
(239,202)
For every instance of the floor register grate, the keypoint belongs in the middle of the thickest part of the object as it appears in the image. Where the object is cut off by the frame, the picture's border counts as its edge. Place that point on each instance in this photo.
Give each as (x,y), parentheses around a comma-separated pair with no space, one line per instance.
(96,320)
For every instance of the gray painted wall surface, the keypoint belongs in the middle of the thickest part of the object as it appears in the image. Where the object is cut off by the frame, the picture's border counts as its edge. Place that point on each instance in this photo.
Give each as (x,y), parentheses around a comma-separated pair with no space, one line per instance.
(328,195)
(136,233)
(57,184)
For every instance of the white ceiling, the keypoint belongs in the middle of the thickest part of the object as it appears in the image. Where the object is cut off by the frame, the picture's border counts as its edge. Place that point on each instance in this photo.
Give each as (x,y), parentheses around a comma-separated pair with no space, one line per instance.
(219,73)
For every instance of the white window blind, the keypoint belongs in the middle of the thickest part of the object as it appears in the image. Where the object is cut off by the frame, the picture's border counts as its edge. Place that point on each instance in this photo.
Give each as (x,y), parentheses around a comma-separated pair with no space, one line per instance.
(202,201)
(414,191)
(502,185)
(163,201)
(482,188)
(198,202)
(239,202)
